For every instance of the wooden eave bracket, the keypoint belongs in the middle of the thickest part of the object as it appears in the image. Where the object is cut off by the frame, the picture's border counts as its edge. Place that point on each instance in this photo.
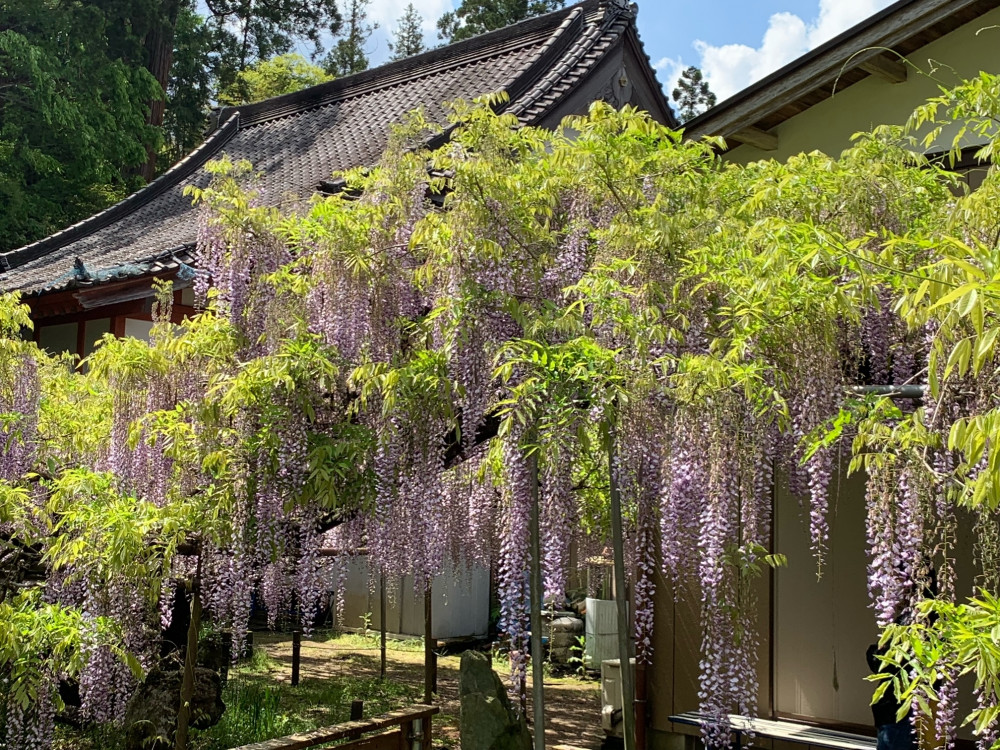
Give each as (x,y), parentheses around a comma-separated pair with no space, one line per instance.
(757,138)
(885,68)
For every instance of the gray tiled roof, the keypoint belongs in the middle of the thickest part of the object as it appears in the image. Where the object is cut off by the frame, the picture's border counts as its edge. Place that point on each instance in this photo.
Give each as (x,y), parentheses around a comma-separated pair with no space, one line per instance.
(300,139)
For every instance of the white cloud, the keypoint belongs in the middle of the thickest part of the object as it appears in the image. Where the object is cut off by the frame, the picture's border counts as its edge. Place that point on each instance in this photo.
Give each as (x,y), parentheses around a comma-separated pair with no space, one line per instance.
(669,70)
(836,16)
(732,67)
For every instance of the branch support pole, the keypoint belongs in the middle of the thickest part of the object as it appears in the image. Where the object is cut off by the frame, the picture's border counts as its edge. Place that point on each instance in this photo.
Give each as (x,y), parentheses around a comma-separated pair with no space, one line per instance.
(430,658)
(381,603)
(537,657)
(621,599)
(296,656)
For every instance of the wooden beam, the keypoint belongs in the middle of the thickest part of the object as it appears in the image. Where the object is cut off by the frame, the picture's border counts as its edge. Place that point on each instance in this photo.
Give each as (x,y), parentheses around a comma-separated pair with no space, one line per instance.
(885,68)
(757,138)
(404,716)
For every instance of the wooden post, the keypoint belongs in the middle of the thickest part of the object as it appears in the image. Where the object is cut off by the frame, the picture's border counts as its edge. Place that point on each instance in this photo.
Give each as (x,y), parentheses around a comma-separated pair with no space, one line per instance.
(430,658)
(535,601)
(621,599)
(296,656)
(406,735)
(357,712)
(382,600)
(190,660)
(641,690)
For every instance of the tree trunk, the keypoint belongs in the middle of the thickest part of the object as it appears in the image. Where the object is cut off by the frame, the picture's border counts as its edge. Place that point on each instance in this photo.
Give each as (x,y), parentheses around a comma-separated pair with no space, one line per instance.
(159,57)
(190,660)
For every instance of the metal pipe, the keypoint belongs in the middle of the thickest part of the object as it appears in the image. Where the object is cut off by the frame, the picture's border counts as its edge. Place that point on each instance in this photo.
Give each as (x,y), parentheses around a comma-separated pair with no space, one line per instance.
(621,598)
(893,391)
(535,598)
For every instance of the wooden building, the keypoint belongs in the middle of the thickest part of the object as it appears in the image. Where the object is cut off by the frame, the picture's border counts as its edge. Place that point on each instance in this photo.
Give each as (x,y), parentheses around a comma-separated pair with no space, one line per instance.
(95,276)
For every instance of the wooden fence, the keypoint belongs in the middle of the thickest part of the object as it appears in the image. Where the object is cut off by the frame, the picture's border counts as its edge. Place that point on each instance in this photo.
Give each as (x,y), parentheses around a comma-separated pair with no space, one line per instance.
(405,729)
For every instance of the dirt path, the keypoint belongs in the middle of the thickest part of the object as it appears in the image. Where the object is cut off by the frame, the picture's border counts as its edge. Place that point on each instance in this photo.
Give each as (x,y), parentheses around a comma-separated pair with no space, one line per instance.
(572,705)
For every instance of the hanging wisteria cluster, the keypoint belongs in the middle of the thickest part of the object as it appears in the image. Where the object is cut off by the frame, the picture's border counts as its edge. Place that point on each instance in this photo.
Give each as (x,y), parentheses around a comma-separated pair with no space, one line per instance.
(523,317)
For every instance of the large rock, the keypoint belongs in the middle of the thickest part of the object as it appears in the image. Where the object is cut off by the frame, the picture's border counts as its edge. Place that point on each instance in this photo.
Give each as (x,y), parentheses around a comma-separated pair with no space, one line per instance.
(568,625)
(565,634)
(151,716)
(215,653)
(488,721)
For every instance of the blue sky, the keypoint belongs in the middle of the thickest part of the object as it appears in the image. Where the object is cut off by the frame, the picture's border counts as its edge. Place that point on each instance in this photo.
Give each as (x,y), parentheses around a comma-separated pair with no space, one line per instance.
(735,43)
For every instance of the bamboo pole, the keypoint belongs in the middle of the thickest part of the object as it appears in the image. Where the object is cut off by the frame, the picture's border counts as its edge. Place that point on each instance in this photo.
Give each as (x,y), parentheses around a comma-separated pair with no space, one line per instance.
(535,598)
(621,599)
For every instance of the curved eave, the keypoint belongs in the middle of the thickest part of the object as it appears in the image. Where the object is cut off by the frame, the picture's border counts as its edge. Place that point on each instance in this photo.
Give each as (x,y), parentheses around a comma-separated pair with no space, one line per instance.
(169,179)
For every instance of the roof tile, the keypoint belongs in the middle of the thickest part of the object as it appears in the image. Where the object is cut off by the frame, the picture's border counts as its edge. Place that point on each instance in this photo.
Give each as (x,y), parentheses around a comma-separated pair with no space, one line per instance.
(298,140)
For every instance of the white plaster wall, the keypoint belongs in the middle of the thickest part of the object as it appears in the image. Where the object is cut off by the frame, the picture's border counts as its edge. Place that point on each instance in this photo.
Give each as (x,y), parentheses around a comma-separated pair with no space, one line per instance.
(138,329)
(461,606)
(823,626)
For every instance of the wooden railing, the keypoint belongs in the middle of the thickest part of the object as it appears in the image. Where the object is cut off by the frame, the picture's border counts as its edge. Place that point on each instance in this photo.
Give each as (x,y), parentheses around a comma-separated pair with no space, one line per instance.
(405,729)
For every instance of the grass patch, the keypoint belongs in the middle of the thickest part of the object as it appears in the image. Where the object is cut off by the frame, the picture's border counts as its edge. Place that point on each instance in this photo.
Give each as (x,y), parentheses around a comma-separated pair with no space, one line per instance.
(99,737)
(370,640)
(259,709)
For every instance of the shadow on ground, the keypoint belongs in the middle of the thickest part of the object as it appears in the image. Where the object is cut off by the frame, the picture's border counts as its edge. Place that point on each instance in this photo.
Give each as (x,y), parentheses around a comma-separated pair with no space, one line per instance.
(572,705)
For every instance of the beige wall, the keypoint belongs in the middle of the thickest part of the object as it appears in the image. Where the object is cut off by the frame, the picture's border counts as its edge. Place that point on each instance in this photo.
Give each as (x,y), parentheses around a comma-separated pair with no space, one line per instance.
(828,126)
(673,677)
(823,625)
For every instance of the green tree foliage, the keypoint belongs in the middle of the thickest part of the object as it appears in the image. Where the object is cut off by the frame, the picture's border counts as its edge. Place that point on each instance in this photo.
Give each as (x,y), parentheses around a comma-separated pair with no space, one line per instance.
(82,91)
(279,75)
(215,41)
(253,30)
(72,115)
(194,72)
(349,54)
(408,39)
(474,17)
(692,94)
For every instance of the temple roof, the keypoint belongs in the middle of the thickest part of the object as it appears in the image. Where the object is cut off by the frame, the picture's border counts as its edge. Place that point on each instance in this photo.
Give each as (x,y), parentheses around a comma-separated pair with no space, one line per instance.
(297,141)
